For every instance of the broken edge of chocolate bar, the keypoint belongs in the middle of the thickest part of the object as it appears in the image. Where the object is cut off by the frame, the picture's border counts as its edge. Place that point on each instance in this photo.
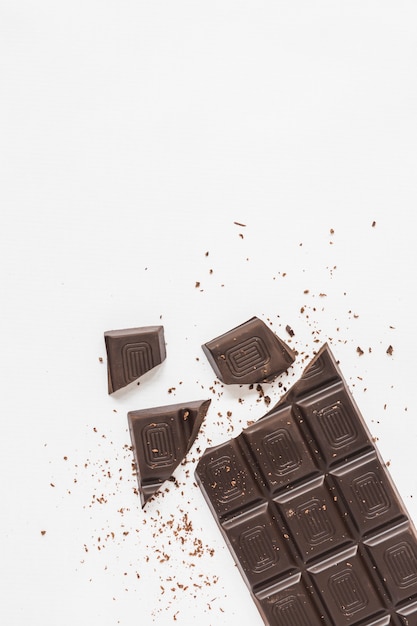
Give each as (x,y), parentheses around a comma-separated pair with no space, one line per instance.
(249,353)
(132,352)
(310,513)
(161,437)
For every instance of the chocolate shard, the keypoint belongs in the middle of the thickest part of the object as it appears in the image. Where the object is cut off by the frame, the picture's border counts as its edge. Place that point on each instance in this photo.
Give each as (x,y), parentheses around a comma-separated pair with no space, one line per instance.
(132,352)
(249,353)
(321,370)
(310,513)
(161,437)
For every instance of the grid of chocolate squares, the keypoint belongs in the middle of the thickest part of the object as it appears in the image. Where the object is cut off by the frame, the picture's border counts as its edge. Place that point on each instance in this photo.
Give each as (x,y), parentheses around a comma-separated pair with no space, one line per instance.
(302,497)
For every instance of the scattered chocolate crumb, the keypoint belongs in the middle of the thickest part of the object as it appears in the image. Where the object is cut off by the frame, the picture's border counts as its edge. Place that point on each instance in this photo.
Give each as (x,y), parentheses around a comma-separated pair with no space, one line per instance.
(359,351)
(373,224)
(100,358)
(239,224)
(290,331)
(260,390)
(197,284)
(43,532)
(390,350)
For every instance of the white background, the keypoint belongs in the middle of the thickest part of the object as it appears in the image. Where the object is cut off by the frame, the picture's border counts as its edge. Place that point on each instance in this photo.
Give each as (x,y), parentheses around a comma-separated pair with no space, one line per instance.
(133,135)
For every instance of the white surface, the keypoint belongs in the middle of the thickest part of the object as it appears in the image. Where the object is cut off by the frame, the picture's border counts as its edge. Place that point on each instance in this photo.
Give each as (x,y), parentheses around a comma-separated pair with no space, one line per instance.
(134,135)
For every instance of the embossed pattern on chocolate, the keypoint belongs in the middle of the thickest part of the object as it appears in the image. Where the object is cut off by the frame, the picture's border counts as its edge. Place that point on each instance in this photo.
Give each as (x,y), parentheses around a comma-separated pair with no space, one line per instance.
(161,437)
(131,353)
(310,512)
(249,353)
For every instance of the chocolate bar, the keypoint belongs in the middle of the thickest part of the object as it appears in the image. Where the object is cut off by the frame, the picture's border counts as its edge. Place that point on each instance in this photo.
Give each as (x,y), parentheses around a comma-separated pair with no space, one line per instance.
(250,353)
(310,513)
(161,437)
(131,353)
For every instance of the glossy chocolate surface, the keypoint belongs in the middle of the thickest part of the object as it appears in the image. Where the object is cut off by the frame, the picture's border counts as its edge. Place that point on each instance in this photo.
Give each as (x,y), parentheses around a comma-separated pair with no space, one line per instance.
(132,352)
(161,437)
(249,353)
(310,512)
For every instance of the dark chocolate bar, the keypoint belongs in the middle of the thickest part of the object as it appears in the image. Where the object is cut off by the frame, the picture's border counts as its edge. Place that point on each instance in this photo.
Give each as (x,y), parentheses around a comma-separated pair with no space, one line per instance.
(249,353)
(131,353)
(310,513)
(161,437)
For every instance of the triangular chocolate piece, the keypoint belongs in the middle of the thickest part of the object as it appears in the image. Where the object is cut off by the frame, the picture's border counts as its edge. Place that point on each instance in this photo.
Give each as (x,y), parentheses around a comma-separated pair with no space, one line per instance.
(132,352)
(321,370)
(161,437)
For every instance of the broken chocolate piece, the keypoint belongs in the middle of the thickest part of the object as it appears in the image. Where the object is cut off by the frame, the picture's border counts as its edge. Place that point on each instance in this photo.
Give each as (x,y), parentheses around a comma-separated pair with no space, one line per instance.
(289,331)
(249,353)
(161,437)
(131,353)
(310,512)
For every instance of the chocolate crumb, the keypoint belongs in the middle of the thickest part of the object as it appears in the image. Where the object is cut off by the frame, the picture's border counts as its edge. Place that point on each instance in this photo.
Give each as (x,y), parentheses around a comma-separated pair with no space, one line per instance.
(290,331)
(359,351)
(43,532)
(390,350)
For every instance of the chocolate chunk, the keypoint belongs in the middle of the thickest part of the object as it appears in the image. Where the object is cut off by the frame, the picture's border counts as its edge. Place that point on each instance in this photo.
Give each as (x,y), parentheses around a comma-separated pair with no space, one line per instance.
(249,353)
(161,437)
(310,513)
(131,353)
(289,331)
